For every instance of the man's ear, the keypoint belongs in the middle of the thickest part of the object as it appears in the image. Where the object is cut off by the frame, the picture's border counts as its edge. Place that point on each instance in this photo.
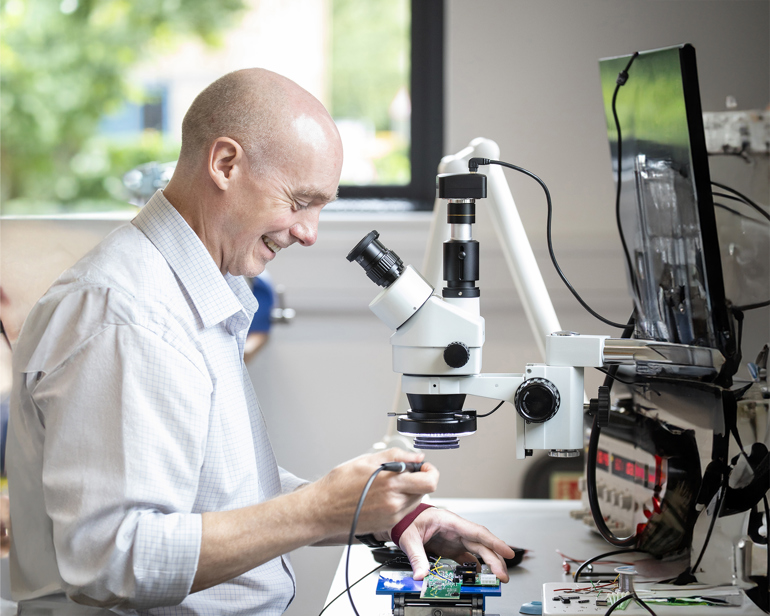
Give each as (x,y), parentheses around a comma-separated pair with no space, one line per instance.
(226,159)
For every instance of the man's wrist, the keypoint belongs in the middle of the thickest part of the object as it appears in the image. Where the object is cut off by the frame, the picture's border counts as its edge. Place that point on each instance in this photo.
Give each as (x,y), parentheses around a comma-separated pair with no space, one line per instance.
(398,529)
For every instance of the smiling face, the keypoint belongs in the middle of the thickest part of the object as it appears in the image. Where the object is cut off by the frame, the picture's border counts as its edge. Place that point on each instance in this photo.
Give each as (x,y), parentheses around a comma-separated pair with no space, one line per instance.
(279,205)
(260,158)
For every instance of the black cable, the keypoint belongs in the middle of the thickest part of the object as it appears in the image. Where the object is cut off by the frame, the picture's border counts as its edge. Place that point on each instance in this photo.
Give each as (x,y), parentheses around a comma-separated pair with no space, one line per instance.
(620,601)
(593,559)
(352,535)
(474,163)
(739,214)
(395,467)
(632,596)
(744,202)
(356,582)
(726,196)
(752,306)
(593,447)
(593,497)
(621,81)
(613,377)
(643,604)
(717,509)
(744,198)
(492,411)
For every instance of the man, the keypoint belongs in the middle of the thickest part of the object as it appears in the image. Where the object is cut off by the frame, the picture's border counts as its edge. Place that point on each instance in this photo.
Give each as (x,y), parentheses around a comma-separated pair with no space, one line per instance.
(140,471)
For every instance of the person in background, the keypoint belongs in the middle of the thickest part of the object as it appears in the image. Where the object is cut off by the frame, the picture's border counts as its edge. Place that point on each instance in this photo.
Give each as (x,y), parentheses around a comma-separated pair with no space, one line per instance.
(259,330)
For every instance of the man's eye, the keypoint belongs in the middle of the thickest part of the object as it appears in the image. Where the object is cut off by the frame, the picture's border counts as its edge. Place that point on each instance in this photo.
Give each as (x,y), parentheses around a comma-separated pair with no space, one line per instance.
(299,205)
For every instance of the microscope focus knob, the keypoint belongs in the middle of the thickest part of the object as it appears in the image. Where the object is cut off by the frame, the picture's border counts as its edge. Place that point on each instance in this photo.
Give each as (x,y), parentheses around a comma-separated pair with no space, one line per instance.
(456,355)
(537,400)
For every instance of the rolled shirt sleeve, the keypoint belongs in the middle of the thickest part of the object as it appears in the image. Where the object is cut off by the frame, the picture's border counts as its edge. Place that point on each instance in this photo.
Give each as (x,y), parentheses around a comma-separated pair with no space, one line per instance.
(290,482)
(121,467)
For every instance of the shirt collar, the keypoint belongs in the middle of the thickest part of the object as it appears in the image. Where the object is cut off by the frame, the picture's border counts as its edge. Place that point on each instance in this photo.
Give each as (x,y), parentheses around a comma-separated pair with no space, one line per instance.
(215,297)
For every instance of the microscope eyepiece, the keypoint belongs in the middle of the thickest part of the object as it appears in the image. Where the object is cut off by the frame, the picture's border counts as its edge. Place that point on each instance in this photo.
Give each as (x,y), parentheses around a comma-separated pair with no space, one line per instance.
(382,266)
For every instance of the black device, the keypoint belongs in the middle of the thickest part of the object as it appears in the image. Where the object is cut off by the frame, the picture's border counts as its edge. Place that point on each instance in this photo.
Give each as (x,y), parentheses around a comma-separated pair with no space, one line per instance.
(666,206)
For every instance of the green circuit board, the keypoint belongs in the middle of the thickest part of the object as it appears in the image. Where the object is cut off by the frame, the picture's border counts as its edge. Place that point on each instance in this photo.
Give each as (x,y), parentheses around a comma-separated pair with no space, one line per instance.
(435,586)
(442,582)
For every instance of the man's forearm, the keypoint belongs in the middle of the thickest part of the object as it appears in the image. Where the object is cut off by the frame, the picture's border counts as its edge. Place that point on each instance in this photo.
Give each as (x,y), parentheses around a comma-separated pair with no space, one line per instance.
(342,539)
(236,541)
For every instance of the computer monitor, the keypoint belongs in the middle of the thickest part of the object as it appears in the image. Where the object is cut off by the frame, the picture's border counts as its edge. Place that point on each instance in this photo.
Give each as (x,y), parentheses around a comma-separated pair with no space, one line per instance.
(666,203)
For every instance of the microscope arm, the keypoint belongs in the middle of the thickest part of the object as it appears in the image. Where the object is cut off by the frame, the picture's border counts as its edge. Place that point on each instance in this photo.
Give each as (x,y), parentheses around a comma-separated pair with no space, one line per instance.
(494,386)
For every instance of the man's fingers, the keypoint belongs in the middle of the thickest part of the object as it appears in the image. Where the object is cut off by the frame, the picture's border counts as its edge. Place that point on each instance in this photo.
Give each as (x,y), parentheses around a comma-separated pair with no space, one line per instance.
(466,557)
(492,558)
(482,537)
(411,544)
(395,454)
(424,482)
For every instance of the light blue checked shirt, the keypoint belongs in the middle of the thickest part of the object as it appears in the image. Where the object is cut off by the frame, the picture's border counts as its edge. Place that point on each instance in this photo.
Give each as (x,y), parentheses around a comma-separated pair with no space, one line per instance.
(132,414)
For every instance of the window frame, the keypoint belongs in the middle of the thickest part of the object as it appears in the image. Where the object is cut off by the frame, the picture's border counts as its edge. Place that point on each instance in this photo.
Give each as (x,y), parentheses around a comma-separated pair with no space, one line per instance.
(426,83)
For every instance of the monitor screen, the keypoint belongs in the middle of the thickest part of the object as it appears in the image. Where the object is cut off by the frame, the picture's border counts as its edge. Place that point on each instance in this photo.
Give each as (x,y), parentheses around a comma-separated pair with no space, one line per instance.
(666,203)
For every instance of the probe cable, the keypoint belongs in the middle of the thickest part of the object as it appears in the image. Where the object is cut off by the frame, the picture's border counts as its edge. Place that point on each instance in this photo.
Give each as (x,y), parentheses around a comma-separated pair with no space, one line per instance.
(395,467)
(473,165)
(357,581)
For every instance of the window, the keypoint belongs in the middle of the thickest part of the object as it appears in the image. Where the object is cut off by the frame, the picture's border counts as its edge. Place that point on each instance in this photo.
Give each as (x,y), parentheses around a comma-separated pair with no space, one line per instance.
(114,97)
(420,107)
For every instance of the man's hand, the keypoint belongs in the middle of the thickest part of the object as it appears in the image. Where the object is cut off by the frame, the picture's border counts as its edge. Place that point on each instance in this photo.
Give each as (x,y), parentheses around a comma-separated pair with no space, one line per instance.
(238,540)
(446,534)
(390,498)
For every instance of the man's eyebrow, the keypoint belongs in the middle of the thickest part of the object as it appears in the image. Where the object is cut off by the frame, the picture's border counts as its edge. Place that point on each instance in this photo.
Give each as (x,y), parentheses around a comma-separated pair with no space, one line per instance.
(313,194)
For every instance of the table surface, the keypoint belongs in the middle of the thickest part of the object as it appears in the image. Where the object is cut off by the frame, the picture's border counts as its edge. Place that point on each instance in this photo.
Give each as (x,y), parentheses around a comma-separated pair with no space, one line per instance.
(542,527)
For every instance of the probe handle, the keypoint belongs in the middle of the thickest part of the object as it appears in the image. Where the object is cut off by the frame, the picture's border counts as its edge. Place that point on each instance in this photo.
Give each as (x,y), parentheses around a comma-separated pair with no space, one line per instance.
(402,467)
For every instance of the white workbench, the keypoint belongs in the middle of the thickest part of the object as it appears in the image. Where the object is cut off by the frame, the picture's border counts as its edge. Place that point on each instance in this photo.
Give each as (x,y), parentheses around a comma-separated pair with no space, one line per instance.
(539,526)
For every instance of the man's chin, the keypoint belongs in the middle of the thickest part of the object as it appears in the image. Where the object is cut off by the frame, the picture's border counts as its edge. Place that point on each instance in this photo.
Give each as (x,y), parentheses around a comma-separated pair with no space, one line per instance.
(251,270)
(255,271)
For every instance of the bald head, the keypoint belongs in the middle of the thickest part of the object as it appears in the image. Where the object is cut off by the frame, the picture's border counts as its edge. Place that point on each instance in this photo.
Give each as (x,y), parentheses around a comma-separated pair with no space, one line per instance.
(267,114)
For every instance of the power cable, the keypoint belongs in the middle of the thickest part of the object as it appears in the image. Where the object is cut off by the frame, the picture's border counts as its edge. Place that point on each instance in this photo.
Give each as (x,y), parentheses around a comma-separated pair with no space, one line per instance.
(621,81)
(727,208)
(629,597)
(473,165)
(593,447)
(600,556)
(743,198)
(752,306)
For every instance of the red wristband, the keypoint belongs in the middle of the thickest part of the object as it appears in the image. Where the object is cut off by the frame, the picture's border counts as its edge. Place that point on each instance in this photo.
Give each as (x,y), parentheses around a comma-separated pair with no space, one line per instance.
(398,529)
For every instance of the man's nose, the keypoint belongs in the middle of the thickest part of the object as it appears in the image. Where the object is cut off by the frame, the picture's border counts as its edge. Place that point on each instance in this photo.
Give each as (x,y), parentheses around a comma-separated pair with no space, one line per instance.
(306,231)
